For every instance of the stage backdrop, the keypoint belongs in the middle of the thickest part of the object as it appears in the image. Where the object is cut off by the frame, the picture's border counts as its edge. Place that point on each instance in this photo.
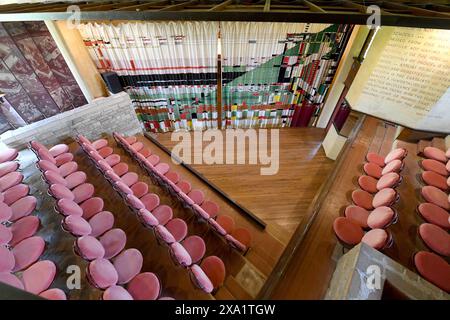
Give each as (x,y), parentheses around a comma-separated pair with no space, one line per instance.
(405,79)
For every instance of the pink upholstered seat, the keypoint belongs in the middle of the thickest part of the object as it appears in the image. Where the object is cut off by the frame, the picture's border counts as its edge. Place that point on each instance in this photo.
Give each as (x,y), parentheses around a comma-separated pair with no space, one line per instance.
(8,155)
(197,196)
(200,279)
(8,167)
(44,154)
(23,207)
(69,207)
(61,192)
(150,201)
(435,153)
(5,212)
(384,197)
(97,157)
(76,225)
(113,241)
(137,146)
(75,179)
(91,207)
(53,294)
(373,170)
(433,179)
(153,159)
(376,238)
(140,158)
(99,144)
(389,180)
(195,246)
(102,274)
(147,218)
(116,293)
(68,168)
(214,268)
(347,231)
(148,166)
(145,152)
(240,238)
(393,166)
(381,217)
(163,213)
(63,158)
(89,248)
(435,166)
(436,196)
(128,264)
(216,227)
(58,149)
(120,169)
(27,251)
(178,228)
(131,139)
(375,158)
(173,176)
(436,238)
(200,212)
(185,186)
(433,268)
(122,188)
(5,235)
(140,189)
(101,222)
(7,260)
(83,192)
(15,193)
(134,202)
(226,222)
(39,276)
(105,152)
(358,215)
(45,165)
(434,214)
(104,166)
(162,168)
(23,229)
(112,176)
(130,178)
(396,154)
(368,183)
(10,180)
(362,199)
(10,279)
(53,177)
(145,286)
(180,255)
(83,139)
(35,145)
(113,159)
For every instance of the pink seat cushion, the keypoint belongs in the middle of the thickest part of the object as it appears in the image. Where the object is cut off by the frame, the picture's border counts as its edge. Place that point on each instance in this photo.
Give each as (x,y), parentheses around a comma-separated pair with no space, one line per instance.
(83,139)
(137,146)
(434,214)
(104,166)
(163,234)
(433,179)
(23,229)
(39,276)
(347,231)
(61,192)
(393,166)
(44,154)
(116,293)
(389,180)
(45,165)
(5,212)
(447,166)
(140,189)
(8,155)
(215,270)
(53,294)
(23,207)
(200,211)
(435,166)
(153,159)
(105,152)
(243,235)
(185,186)
(120,169)
(58,149)
(147,218)
(195,246)
(380,217)
(128,264)
(436,196)
(162,168)
(112,175)
(163,213)
(63,158)
(75,179)
(226,222)
(27,252)
(68,168)
(358,215)
(7,260)
(131,139)
(217,227)
(384,197)
(36,145)
(99,144)
(10,180)
(8,167)
(5,235)
(173,176)
(101,222)
(197,196)
(102,273)
(396,154)
(89,248)
(91,207)
(373,170)
(178,228)
(11,280)
(77,226)
(233,242)
(376,238)
(201,279)
(69,207)
(53,177)
(436,238)
(113,159)
(15,193)
(123,188)
(435,153)
(130,178)
(363,199)
(368,183)
(113,241)
(375,158)
(134,202)
(145,152)
(145,286)
(180,255)
(83,192)
(433,268)
(150,201)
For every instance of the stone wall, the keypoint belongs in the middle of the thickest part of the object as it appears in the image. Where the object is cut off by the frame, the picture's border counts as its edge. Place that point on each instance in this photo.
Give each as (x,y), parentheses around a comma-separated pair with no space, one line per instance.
(103,115)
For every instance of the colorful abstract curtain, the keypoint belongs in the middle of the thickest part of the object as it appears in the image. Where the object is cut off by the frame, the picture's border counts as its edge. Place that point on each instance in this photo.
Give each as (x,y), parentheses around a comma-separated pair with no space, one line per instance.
(33,75)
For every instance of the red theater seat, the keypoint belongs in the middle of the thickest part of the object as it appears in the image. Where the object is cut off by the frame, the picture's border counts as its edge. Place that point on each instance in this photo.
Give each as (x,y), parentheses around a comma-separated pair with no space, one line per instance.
(91,207)
(373,170)
(113,241)
(377,238)
(113,159)
(145,286)
(53,294)
(128,264)
(436,238)
(39,276)
(436,196)
(375,158)
(10,180)
(368,183)
(7,260)
(99,144)
(73,180)
(89,248)
(83,192)
(145,152)
(63,158)
(102,274)
(7,167)
(8,155)
(396,154)
(362,199)
(434,214)
(435,166)
(381,218)
(58,149)
(68,207)
(23,207)
(5,212)
(195,246)
(5,235)
(15,193)
(433,268)
(101,222)
(389,180)
(76,225)
(393,166)
(23,229)
(435,153)
(27,251)
(140,189)
(384,197)
(433,179)
(358,215)
(163,213)
(68,168)
(347,231)
(105,152)
(116,293)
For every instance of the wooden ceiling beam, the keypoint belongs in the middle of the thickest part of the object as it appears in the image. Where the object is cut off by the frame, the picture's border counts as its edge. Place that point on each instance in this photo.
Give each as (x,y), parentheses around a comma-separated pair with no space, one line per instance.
(415,10)
(313,7)
(178,6)
(221,6)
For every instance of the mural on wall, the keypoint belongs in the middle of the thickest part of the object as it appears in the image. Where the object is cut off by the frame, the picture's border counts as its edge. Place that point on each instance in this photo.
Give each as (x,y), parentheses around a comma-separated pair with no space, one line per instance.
(33,74)
(273,74)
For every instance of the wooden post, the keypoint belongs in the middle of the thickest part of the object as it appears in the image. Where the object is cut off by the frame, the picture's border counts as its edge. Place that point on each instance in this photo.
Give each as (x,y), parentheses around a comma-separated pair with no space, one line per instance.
(219,87)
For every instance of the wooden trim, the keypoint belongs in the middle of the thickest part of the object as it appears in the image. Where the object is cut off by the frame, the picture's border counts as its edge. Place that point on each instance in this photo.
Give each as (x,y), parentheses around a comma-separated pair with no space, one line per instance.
(313,7)
(267,6)
(221,6)
(179,6)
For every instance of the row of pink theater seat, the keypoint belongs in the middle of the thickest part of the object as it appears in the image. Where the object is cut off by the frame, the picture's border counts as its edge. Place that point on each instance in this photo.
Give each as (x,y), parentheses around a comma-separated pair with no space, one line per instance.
(373,203)
(435,212)
(238,238)
(111,267)
(20,249)
(187,251)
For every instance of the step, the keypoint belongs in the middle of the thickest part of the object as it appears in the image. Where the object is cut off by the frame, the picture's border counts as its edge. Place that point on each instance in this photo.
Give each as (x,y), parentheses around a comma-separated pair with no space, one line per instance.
(224,294)
(235,289)
(438,143)
(422,145)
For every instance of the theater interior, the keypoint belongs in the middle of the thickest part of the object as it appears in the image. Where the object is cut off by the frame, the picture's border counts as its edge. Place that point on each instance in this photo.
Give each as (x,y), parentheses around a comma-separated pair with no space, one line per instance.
(339,189)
